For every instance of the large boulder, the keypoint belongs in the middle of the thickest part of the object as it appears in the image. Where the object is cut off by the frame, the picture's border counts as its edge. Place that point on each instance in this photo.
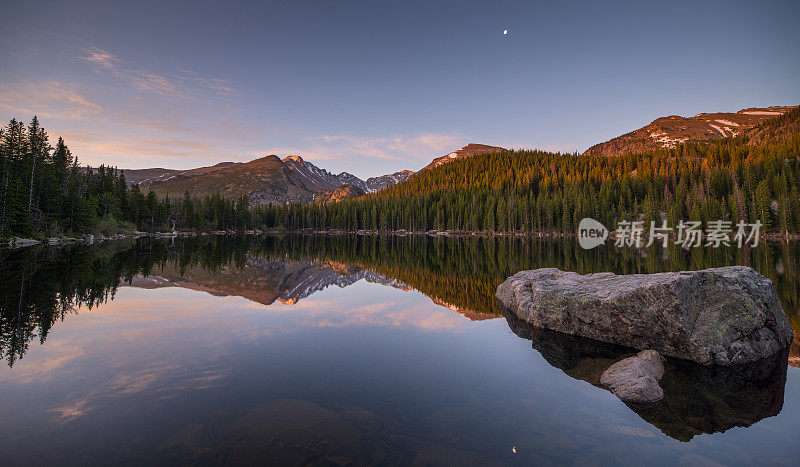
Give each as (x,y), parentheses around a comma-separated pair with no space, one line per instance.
(719,316)
(635,379)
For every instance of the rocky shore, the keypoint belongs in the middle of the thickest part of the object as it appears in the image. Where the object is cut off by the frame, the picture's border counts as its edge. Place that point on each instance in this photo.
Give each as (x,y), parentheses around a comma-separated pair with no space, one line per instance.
(17,242)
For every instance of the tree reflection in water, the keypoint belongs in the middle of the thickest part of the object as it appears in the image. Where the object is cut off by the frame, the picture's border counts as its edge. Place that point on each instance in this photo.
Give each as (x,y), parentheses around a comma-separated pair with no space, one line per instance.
(40,285)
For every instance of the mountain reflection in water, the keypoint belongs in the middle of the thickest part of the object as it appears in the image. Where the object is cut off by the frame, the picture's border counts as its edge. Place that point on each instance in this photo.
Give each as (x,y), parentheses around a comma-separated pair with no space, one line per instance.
(41,284)
(40,287)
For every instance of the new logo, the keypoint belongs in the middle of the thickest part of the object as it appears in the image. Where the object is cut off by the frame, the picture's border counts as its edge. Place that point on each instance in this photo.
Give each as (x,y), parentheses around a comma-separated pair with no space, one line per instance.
(591,233)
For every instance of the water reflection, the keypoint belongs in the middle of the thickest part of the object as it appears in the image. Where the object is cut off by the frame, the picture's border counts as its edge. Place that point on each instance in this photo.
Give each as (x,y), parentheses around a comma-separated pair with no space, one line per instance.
(39,285)
(697,398)
(336,349)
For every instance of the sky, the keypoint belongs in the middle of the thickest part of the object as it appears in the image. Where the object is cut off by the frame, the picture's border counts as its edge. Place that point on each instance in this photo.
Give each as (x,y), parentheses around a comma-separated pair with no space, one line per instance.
(372,87)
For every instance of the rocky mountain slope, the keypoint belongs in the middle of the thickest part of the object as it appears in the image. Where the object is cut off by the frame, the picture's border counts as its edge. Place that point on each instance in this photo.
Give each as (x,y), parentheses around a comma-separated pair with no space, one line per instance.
(146,177)
(373,184)
(776,130)
(324,180)
(668,132)
(469,150)
(314,177)
(264,180)
(339,193)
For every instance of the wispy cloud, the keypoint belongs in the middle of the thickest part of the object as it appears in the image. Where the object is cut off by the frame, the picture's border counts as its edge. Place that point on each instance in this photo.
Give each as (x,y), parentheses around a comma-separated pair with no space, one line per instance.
(101,58)
(182,83)
(51,99)
(105,61)
(397,147)
(133,150)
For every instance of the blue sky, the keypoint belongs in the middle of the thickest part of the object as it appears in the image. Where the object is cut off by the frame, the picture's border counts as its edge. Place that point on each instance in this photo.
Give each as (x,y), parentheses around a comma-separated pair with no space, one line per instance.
(375,87)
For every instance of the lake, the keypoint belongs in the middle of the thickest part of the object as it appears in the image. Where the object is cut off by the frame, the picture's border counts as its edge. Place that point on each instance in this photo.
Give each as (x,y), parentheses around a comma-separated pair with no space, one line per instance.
(342,350)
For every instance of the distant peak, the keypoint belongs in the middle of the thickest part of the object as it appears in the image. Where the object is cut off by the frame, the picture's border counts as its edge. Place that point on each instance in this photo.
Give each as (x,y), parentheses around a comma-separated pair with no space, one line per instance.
(478,146)
(471,149)
(270,157)
(293,158)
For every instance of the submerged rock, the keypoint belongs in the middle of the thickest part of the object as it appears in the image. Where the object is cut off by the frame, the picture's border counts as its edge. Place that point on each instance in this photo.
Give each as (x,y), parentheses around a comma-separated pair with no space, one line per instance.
(722,316)
(697,398)
(635,379)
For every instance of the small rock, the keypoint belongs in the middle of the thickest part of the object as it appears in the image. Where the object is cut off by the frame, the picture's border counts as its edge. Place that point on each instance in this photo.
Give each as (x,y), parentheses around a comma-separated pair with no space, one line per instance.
(18,241)
(635,379)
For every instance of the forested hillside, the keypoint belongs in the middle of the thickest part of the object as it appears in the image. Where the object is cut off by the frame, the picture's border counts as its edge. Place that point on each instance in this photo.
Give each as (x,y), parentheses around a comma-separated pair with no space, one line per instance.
(750,177)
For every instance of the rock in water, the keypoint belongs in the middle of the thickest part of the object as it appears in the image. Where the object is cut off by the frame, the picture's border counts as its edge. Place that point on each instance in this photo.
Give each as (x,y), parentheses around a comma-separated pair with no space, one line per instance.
(635,379)
(721,316)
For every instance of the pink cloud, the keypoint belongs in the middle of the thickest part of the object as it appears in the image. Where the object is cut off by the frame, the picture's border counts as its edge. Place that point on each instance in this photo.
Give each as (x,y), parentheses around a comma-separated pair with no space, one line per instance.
(50,99)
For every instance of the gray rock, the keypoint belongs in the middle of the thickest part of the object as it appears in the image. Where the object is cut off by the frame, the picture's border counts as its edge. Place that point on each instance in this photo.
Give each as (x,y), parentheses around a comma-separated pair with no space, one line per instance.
(719,316)
(88,238)
(19,241)
(635,379)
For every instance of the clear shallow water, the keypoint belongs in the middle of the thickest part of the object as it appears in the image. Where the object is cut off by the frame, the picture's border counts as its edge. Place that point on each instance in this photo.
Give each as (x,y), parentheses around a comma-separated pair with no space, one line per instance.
(222,350)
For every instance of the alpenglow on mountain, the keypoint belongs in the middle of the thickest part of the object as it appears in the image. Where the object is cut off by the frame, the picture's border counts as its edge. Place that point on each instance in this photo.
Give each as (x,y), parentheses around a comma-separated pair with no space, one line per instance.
(264,180)
(270,179)
(668,132)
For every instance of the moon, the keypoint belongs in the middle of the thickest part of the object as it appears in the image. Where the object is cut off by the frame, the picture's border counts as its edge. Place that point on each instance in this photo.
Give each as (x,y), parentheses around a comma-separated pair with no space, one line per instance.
(505,32)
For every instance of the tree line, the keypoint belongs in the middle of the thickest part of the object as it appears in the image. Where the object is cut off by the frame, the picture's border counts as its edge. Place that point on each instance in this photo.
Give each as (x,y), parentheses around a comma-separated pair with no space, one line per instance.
(45,192)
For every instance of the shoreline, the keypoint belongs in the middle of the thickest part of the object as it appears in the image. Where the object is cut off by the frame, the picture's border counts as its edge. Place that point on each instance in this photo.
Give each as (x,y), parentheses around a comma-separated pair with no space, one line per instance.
(88,239)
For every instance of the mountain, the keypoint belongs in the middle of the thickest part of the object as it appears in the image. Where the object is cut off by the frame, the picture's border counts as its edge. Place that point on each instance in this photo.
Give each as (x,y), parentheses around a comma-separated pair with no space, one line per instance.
(273,180)
(374,184)
(146,177)
(668,132)
(264,180)
(314,177)
(469,150)
(324,180)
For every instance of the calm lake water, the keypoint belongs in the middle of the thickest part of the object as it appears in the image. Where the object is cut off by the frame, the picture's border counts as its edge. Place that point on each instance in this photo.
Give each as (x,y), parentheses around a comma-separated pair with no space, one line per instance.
(355,350)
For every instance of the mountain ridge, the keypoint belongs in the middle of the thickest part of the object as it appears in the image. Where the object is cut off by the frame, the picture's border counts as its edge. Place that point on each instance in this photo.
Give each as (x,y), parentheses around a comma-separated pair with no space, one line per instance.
(670,131)
(264,180)
(471,149)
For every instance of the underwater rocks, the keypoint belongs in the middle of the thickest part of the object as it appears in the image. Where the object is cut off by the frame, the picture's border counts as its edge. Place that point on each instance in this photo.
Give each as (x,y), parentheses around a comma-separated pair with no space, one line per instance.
(635,379)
